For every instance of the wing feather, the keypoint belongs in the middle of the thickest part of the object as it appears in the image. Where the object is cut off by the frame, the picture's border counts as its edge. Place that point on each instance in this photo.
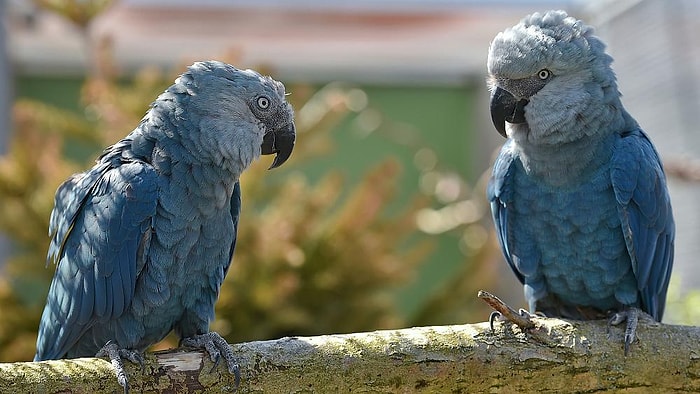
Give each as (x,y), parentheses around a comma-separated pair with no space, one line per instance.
(97,227)
(499,193)
(644,208)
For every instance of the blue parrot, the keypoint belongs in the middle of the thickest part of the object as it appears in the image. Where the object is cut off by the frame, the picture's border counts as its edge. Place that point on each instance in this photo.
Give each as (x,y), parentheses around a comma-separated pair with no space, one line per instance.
(578,193)
(144,239)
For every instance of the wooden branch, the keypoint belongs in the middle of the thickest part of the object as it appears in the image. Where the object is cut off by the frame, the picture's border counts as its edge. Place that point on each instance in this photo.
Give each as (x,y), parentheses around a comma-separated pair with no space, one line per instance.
(578,356)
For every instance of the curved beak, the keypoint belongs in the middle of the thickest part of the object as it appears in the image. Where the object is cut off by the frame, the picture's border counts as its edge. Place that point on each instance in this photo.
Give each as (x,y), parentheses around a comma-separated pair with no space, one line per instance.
(279,142)
(505,108)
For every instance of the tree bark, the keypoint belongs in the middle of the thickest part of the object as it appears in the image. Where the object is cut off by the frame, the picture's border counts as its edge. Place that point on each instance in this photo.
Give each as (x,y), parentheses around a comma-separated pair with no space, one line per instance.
(554,356)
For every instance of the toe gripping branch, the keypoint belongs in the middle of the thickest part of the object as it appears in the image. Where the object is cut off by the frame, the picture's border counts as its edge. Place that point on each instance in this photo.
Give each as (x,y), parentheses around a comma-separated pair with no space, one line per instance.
(115,354)
(217,348)
(631,316)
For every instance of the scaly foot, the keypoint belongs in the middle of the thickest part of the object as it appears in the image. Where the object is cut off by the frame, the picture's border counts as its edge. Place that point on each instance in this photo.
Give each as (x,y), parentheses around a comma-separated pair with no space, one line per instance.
(631,315)
(112,351)
(216,346)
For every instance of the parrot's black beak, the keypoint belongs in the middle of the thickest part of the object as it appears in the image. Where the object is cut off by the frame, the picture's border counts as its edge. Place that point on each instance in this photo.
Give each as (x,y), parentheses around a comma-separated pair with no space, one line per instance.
(279,142)
(505,108)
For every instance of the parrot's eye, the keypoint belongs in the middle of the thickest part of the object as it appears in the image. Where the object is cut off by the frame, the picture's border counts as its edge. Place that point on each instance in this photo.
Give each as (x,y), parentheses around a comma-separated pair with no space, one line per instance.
(544,74)
(263,102)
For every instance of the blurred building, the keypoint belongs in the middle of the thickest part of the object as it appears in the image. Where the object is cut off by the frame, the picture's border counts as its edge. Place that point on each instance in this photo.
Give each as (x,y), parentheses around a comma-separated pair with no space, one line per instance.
(386,41)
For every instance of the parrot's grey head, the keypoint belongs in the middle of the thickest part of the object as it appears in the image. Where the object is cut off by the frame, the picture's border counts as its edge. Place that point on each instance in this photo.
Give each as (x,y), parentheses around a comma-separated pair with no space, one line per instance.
(238,115)
(542,72)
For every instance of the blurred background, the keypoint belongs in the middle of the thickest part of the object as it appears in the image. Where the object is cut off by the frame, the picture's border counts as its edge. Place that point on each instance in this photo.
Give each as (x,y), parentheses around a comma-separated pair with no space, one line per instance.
(379,219)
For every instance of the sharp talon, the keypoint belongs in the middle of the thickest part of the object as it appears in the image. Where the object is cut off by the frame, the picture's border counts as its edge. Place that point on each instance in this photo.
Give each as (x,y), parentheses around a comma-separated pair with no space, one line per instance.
(132,356)
(236,376)
(493,317)
(215,362)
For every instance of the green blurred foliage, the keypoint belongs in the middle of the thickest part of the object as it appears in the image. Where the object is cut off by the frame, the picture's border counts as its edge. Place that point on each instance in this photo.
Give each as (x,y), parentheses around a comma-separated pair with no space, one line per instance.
(326,255)
(682,307)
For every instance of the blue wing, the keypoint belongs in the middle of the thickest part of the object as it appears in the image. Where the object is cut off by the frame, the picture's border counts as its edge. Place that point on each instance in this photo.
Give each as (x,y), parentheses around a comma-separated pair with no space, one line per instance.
(100,227)
(645,212)
(500,193)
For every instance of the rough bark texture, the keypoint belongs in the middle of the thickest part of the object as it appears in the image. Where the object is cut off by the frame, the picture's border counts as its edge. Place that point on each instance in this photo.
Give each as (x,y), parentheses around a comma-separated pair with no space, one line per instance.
(555,356)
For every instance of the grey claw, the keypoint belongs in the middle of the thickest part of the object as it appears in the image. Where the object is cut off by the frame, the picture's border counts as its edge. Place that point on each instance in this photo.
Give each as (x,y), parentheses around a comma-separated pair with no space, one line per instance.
(631,315)
(112,351)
